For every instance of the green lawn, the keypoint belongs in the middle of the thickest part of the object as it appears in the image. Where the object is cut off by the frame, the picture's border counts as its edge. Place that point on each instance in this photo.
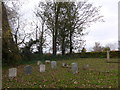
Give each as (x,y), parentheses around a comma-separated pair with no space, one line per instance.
(100,75)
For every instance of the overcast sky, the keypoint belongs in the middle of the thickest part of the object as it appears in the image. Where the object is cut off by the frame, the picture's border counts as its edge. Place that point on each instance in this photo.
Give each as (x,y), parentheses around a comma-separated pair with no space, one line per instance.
(106,32)
(103,32)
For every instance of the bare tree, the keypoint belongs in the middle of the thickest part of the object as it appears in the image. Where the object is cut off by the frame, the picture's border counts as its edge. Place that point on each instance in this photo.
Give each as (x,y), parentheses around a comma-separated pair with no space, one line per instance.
(67,21)
(97,47)
(16,21)
(112,46)
(51,13)
(40,28)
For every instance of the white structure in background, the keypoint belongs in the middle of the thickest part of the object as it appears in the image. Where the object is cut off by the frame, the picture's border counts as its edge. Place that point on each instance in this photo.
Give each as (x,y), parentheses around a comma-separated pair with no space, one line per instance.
(119,25)
(0,45)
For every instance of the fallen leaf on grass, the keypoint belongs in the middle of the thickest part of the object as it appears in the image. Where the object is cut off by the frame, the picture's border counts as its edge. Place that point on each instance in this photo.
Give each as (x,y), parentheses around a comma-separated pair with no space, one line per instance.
(88,81)
(44,80)
(83,84)
(34,83)
(75,82)
(58,80)
(40,86)
(44,85)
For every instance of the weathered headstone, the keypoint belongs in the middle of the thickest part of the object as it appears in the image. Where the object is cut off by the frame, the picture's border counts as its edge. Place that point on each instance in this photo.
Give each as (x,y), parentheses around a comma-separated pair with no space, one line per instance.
(38,62)
(74,68)
(47,61)
(42,68)
(108,55)
(86,67)
(63,64)
(53,64)
(12,72)
(28,69)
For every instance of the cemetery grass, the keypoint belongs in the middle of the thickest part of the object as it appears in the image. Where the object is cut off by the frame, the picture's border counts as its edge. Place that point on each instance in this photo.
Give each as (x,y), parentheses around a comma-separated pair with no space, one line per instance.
(99,75)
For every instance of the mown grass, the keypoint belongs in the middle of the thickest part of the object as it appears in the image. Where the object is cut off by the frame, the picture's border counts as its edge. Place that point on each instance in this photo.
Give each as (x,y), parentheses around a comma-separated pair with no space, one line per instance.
(100,75)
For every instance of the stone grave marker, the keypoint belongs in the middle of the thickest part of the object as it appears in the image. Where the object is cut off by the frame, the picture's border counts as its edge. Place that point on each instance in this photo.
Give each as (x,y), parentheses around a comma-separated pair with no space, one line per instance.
(47,61)
(42,68)
(28,69)
(63,64)
(74,68)
(108,55)
(53,64)
(12,72)
(86,67)
(38,62)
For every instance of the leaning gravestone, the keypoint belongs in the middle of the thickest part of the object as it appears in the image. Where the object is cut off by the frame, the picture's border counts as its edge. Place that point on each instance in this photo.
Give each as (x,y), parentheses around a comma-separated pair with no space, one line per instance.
(53,64)
(74,68)
(28,69)
(108,55)
(42,68)
(38,62)
(12,72)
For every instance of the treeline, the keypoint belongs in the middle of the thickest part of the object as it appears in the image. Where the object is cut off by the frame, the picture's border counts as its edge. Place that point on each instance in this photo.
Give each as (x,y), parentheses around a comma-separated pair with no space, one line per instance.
(64,22)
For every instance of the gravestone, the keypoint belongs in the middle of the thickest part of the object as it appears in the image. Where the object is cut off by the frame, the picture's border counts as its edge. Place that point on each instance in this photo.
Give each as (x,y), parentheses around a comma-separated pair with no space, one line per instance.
(47,61)
(53,64)
(42,68)
(28,69)
(12,72)
(86,67)
(108,55)
(38,62)
(74,68)
(63,64)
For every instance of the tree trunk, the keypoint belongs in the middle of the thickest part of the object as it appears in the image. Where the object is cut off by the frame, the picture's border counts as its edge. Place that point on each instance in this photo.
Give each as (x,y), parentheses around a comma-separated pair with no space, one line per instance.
(63,46)
(54,45)
(55,32)
(41,39)
(71,42)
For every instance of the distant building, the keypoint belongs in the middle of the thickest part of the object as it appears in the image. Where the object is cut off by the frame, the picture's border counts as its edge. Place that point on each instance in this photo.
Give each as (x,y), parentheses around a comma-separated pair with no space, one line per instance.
(119,25)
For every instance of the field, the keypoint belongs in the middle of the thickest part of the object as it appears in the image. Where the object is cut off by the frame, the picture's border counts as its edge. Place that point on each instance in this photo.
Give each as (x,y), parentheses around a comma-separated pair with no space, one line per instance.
(99,75)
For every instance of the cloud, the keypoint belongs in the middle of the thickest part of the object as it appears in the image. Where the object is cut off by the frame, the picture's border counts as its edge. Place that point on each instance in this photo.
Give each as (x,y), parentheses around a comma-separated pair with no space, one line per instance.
(106,32)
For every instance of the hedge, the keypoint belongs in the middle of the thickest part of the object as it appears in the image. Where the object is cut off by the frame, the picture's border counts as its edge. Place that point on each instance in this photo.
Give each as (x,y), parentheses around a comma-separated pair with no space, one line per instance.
(113,54)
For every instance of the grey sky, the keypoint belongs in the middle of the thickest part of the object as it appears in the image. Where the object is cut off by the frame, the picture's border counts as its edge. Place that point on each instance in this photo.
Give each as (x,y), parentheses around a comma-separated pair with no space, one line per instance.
(106,32)
(103,32)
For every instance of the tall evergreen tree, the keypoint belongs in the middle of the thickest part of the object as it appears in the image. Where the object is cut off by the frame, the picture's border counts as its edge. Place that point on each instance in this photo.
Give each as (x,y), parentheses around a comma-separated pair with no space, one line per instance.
(10,51)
